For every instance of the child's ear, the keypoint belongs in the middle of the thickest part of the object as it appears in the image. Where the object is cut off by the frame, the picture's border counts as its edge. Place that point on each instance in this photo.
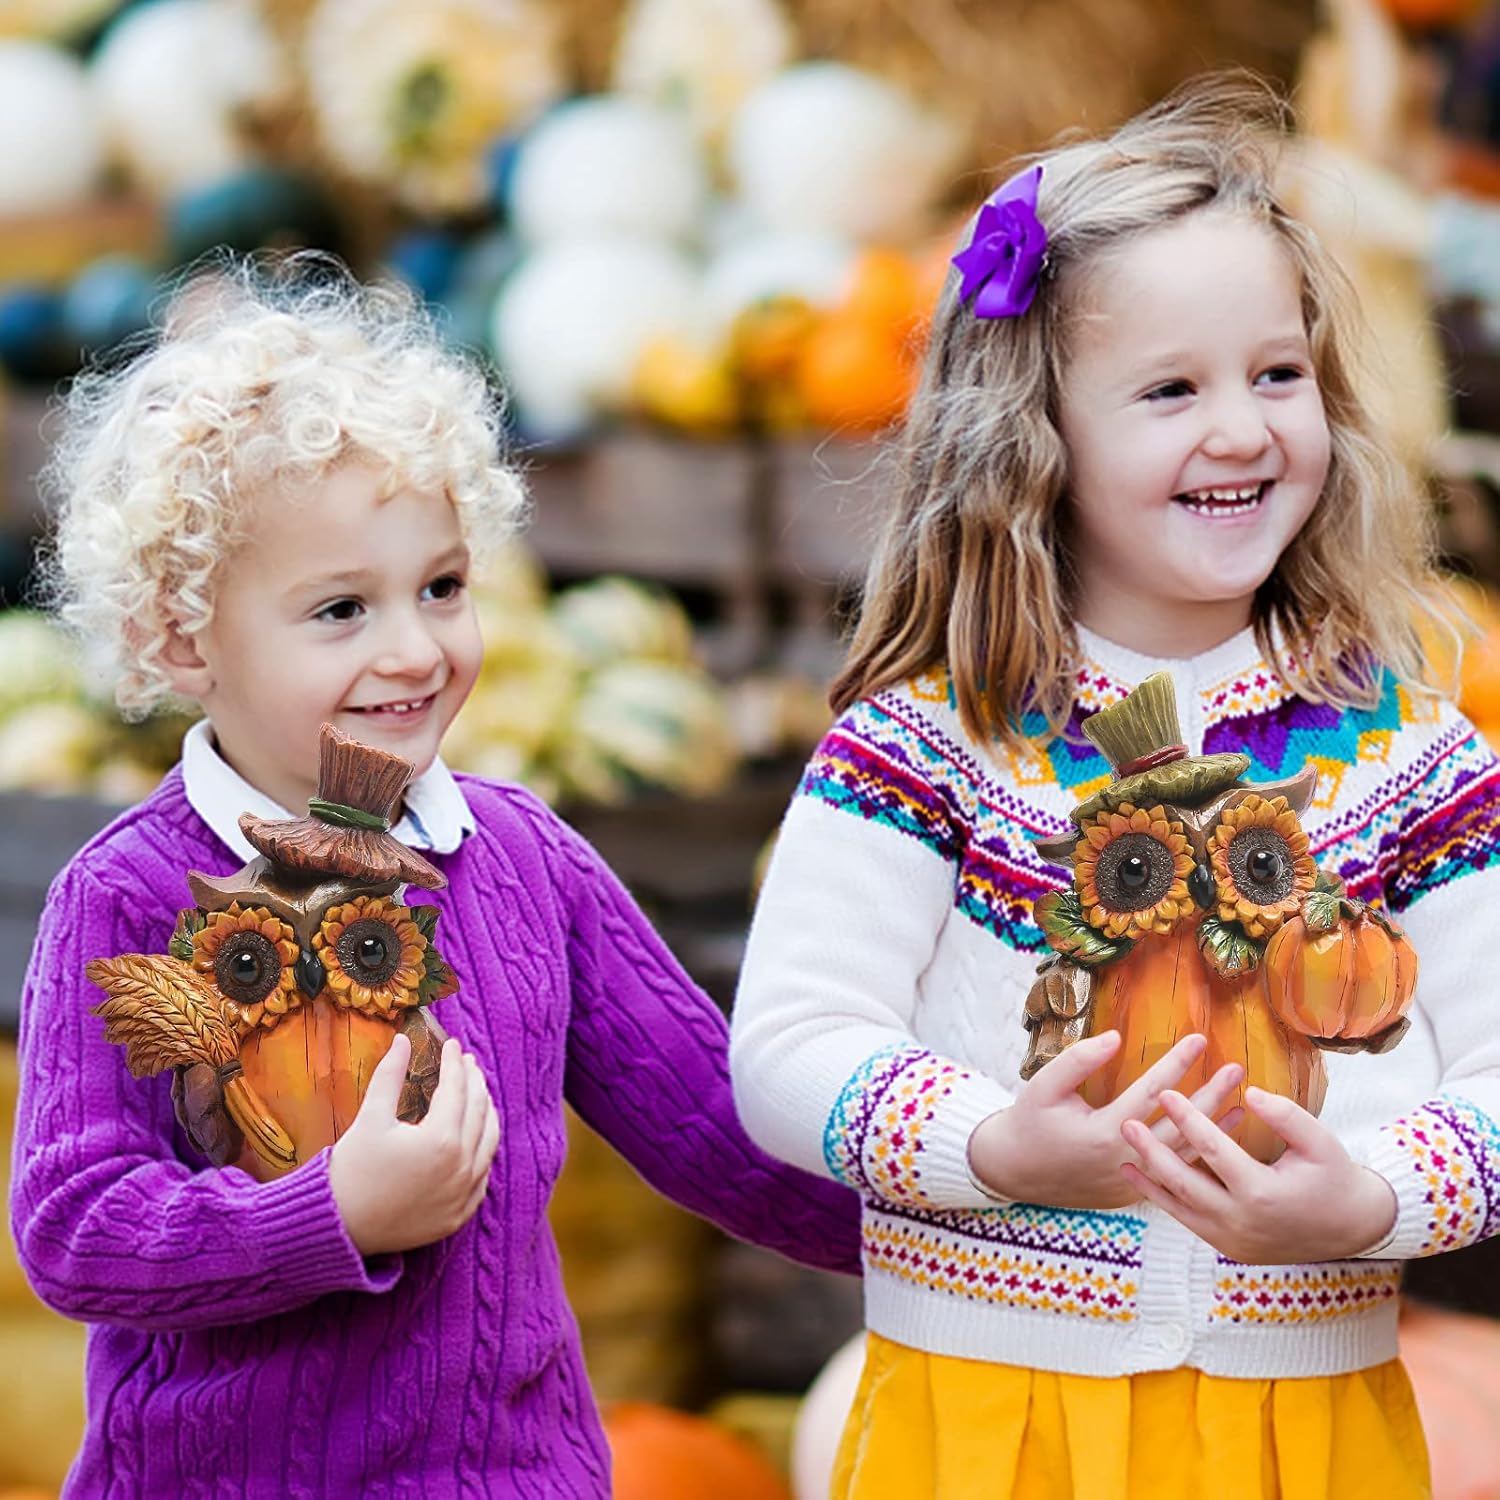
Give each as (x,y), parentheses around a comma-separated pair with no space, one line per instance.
(184,664)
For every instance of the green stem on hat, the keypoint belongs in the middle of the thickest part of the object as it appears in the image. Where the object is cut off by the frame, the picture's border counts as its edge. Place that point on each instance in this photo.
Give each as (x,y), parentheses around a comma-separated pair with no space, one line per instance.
(344,816)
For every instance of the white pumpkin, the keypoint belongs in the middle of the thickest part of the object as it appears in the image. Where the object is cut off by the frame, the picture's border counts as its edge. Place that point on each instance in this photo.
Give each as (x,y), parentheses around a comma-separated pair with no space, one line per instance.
(648,723)
(175,81)
(825,146)
(704,55)
(51,145)
(414,98)
(608,164)
(816,268)
(571,323)
(612,618)
(821,1419)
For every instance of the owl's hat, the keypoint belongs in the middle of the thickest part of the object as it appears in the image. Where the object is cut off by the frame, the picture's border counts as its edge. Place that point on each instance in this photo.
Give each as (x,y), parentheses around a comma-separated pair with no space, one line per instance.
(347,827)
(1142,740)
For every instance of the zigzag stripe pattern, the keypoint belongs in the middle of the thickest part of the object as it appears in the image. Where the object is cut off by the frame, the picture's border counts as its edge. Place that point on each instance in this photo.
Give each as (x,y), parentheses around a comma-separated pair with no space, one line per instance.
(1422,825)
(1458,829)
(1280,739)
(869,774)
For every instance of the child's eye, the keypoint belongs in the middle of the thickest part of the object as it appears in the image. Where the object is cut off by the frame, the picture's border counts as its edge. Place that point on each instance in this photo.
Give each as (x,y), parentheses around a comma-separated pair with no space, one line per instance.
(1171,390)
(449,586)
(340,611)
(1282,375)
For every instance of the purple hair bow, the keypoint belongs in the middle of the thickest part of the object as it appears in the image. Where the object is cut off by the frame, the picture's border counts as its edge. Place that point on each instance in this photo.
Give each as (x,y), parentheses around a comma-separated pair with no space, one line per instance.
(1002,262)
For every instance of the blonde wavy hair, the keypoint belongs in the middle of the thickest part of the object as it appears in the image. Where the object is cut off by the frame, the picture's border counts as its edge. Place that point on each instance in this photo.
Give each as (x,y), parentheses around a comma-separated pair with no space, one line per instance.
(264,372)
(971,568)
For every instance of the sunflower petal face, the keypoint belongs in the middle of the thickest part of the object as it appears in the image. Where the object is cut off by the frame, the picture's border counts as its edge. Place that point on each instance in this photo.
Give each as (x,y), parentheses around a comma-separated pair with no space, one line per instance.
(375,955)
(1130,871)
(1262,864)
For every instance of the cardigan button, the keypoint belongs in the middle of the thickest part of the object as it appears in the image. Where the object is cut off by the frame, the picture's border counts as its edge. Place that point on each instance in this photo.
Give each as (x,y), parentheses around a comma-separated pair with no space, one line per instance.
(1173,1338)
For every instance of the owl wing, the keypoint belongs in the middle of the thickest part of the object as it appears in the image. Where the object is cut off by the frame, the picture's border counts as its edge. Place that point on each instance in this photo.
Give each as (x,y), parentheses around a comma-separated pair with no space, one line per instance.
(1057,1011)
(162,1011)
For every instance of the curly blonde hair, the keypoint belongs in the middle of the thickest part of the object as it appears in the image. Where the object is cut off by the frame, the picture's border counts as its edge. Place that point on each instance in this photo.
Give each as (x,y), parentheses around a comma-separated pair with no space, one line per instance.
(264,372)
(972,567)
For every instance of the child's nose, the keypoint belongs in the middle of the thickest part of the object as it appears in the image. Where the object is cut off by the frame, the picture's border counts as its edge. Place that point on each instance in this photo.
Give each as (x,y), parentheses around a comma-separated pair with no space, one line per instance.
(409,651)
(1237,428)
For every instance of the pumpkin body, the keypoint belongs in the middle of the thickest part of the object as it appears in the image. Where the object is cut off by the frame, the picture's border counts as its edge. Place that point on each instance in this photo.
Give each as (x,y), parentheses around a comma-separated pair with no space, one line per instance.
(662,1454)
(311,1070)
(1163,990)
(1348,983)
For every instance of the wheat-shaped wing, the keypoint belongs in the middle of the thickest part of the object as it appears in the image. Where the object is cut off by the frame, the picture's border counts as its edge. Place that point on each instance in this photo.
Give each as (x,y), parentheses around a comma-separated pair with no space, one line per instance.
(164,1013)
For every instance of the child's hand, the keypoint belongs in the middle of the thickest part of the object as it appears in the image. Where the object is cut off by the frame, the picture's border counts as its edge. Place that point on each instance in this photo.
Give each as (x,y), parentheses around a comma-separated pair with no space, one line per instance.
(1052,1147)
(399,1186)
(1313,1203)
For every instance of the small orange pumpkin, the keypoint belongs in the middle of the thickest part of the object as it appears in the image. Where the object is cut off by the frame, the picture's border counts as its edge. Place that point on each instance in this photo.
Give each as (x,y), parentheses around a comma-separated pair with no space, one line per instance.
(662,1454)
(1339,969)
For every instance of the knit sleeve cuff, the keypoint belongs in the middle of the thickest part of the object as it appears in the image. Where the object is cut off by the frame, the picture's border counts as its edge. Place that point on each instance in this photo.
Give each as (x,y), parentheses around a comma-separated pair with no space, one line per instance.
(1443,1163)
(301,1233)
(900,1129)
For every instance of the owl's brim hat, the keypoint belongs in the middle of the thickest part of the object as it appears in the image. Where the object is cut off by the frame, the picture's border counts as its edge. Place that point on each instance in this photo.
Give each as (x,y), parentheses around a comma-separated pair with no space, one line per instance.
(347,829)
(1141,738)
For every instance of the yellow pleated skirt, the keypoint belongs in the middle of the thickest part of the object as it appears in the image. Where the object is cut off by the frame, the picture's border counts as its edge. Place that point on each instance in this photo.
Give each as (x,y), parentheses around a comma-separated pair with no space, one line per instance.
(928,1427)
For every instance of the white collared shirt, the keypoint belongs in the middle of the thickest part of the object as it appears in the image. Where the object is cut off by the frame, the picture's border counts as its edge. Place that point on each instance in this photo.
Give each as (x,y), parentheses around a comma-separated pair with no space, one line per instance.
(435,816)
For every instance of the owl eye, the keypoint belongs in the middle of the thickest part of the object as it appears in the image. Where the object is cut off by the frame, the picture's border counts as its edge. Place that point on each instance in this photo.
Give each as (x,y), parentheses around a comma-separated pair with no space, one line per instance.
(1134,873)
(248,967)
(369,950)
(1261,865)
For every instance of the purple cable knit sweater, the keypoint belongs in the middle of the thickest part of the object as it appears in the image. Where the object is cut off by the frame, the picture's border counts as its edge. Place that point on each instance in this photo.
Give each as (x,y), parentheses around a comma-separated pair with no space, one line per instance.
(239,1345)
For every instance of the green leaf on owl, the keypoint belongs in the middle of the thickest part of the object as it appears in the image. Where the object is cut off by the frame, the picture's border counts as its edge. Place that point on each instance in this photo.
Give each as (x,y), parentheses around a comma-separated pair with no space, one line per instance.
(1067,930)
(438,979)
(190,919)
(1226,947)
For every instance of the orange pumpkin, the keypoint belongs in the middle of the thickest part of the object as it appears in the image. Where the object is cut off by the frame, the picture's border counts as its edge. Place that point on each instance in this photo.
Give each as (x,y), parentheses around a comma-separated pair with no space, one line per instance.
(855,374)
(1163,992)
(661,1454)
(1349,980)
(1453,1360)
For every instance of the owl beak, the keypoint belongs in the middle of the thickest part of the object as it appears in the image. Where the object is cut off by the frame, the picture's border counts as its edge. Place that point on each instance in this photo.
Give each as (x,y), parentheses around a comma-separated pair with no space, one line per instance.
(310,974)
(1201,885)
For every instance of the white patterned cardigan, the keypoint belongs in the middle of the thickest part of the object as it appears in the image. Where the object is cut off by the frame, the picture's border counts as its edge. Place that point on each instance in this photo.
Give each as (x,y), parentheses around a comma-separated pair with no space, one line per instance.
(879,1019)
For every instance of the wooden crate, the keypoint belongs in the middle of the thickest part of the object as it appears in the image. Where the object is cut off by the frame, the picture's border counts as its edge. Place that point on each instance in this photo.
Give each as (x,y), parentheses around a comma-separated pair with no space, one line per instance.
(49,249)
(686,514)
(23,451)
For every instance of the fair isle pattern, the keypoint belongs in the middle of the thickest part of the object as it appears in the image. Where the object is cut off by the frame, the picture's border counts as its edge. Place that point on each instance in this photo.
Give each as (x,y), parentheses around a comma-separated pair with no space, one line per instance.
(1244,695)
(884,763)
(1452,825)
(1416,828)
(879,768)
(1455,1153)
(1289,731)
(873,1138)
(1049,1260)
(1437,819)
(1067,760)
(1301,1294)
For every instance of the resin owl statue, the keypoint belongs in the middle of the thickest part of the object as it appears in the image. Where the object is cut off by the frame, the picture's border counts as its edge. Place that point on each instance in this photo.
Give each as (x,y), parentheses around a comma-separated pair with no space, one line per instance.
(1197,907)
(285,985)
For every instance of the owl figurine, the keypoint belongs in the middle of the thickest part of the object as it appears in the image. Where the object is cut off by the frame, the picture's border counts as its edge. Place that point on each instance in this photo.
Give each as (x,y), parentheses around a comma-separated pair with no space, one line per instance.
(283,987)
(1196,906)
